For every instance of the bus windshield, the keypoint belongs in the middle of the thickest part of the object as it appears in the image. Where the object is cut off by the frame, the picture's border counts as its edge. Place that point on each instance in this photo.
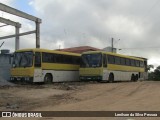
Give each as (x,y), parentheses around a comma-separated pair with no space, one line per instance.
(23,59)
(91,60)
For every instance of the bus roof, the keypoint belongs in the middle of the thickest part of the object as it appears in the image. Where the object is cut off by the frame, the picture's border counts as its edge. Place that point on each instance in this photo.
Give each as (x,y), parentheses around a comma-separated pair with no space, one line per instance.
(47,51)
(114,54)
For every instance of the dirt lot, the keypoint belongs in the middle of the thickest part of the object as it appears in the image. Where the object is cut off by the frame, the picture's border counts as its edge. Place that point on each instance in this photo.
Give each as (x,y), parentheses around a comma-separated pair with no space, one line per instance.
(89,96)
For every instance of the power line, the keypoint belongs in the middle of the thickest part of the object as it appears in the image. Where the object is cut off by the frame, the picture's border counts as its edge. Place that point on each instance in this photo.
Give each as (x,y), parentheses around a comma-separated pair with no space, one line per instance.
(152,7)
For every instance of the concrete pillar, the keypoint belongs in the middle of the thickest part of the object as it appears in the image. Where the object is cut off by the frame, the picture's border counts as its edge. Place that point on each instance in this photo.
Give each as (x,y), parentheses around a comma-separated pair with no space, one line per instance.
(17,38)
(38,33)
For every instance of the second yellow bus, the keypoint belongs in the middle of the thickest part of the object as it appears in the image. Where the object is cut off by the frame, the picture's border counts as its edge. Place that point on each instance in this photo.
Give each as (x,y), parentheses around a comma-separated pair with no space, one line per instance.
(107,66)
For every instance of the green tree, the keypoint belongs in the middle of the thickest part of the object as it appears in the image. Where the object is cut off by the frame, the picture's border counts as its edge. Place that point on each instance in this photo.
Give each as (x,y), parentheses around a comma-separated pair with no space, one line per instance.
(150,73)
(149,67)
(151,76)
(157,73)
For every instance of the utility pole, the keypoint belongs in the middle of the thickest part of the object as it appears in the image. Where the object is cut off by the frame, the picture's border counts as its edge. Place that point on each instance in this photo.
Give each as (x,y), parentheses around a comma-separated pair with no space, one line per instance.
(112,44)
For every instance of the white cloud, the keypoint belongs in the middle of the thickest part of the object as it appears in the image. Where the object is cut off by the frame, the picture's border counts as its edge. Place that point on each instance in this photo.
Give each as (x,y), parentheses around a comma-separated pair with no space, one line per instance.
(120,24)
(154,61)
(70,23)
(7,2)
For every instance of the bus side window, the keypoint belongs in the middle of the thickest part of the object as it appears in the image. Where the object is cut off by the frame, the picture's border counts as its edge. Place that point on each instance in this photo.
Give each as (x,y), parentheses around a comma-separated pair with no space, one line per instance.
(37,62)
(137,63)
(132,62)
(141,64)
(123,61)
(111,59)
(128,62)
(117,60)
(78,60)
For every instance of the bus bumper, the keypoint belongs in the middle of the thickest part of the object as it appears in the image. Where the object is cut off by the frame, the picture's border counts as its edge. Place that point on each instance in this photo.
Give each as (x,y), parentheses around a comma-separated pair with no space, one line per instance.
(26,79)
(90,78)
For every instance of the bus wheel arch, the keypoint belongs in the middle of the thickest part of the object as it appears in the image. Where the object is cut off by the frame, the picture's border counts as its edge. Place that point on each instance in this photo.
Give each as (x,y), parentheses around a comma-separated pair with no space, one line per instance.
(48,78)
(111,78)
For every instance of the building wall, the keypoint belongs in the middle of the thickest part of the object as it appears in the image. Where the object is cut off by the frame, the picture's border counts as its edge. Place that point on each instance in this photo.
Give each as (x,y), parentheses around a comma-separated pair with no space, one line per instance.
(109,49)
(5,66)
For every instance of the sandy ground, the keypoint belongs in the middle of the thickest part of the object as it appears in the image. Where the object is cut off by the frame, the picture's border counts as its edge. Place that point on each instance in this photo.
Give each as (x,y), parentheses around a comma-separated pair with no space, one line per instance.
(89,96)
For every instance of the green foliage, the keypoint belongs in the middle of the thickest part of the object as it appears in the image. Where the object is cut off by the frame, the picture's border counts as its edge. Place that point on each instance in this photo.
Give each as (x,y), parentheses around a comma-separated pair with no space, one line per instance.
(149,67)
(151,76)
(155,75)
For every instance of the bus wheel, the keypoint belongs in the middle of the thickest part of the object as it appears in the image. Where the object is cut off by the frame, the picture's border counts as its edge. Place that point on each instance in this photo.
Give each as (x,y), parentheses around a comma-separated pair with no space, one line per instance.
(133,78)
(48,78)
(136,77)
(111,78)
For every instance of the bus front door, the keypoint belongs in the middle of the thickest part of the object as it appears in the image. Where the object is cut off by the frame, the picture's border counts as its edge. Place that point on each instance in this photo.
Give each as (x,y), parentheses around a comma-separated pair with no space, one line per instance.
(37,68)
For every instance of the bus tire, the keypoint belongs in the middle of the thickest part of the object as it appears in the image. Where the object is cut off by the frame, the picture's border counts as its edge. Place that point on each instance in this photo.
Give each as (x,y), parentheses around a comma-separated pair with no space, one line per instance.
(111,78)
(136,78)
(48,78)
(133,78)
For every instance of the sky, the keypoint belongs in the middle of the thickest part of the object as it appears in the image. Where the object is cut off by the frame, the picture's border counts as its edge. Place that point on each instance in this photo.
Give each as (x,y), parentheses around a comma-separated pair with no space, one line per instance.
(134,25)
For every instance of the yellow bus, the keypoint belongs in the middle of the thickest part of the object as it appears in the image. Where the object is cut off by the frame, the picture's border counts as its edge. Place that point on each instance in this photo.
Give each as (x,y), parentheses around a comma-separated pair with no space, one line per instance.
(41,65)
(107,66)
